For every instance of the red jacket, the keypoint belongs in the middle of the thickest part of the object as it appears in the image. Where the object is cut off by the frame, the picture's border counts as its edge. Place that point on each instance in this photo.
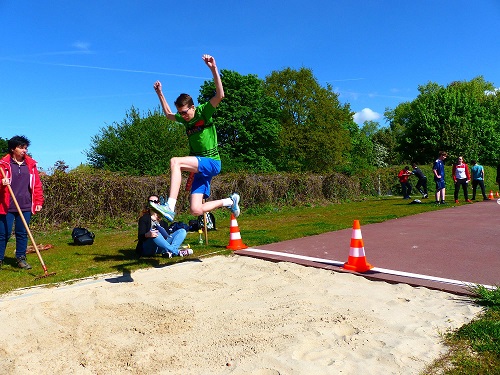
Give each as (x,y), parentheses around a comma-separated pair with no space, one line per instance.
(35,184)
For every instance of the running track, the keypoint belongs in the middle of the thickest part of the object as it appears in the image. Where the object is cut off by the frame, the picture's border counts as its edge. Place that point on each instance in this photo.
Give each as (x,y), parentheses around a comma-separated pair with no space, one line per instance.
(460,243)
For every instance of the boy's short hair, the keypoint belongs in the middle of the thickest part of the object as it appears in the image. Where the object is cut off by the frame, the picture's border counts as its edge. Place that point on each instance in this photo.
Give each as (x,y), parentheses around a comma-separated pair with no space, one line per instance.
(443,153)
(16,141)
(184,99)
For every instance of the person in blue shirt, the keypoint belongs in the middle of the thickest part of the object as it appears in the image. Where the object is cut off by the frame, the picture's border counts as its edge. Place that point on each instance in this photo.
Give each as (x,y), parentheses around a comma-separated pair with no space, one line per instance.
(478,179)
(438,170)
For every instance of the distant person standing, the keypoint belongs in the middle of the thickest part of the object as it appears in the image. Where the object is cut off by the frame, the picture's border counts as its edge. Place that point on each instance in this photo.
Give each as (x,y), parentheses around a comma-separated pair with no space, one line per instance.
(22,175)
(404,175)
(421,185)
(438,170)
(461,176)
(478,179)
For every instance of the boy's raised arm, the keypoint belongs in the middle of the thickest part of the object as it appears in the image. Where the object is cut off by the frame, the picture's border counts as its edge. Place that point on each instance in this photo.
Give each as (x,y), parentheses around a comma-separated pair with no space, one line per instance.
(164,105)
(219,89)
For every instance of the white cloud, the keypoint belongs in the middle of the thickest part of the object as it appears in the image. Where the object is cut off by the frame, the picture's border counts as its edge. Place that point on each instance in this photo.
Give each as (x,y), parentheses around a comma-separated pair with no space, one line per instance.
(82,46)
(366,114)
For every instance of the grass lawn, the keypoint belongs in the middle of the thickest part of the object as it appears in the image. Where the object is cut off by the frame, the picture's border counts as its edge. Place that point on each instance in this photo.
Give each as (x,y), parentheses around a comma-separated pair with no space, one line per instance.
(114,252)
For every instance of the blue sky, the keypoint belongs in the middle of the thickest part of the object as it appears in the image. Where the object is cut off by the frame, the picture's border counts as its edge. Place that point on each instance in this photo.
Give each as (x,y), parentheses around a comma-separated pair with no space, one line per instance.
(69,68)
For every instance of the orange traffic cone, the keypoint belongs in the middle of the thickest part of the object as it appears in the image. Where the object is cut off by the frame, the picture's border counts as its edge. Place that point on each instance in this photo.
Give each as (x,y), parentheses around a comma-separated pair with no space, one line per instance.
(357,259)
(235,242)
(491,195)
(498,195)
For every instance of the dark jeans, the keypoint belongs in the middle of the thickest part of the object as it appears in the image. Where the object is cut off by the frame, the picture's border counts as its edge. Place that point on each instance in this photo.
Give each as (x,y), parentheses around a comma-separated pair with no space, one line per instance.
(461,182)
(422,185)
(6,223)
(406,189)
(474,187)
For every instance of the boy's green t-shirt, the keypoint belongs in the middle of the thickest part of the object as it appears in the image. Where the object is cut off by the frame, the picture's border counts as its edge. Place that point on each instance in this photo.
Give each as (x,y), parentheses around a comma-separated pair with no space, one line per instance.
(201,132)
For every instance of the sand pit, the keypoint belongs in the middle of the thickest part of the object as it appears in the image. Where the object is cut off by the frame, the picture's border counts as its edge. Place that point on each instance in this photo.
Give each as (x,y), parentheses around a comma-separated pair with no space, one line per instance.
(226,315)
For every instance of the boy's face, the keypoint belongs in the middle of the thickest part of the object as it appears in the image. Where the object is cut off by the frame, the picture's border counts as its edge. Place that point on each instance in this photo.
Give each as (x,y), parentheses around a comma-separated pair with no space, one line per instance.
(187,112)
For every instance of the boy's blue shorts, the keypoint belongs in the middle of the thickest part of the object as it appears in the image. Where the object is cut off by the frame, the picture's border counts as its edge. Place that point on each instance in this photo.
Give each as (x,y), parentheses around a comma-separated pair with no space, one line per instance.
(207,168)
(440,184)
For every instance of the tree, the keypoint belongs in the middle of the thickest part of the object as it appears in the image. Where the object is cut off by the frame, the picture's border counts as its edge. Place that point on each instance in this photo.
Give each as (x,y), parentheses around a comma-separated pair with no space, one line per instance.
(138,145)
(60,166)
(461,118)
(4,148)
(246,121)
(314,135)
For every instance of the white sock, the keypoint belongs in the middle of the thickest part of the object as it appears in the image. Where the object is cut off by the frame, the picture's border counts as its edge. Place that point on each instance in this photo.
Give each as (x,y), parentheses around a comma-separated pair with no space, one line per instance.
(227,202)
(171,203)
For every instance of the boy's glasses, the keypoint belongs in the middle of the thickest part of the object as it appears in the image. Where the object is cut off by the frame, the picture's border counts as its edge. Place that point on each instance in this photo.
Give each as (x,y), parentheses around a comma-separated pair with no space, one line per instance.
(182,113)
(154,200)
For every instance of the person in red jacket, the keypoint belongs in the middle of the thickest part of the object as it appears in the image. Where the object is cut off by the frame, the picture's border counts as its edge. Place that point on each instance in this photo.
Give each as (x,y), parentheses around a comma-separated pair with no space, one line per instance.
(461,176)
(22,175)
(404,175)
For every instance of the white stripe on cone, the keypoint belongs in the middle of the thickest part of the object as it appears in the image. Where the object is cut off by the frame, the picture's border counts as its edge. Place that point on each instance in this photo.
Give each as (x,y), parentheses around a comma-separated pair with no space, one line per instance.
(356,234)
(235,236)
(357,252)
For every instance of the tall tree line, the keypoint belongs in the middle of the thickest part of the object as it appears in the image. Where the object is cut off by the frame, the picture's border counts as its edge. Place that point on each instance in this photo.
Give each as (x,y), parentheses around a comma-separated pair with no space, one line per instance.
(288,122)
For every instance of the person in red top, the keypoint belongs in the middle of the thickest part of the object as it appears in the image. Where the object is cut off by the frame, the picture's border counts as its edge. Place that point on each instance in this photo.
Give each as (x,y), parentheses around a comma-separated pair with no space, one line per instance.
(22,175)
(404,175)
(461,176)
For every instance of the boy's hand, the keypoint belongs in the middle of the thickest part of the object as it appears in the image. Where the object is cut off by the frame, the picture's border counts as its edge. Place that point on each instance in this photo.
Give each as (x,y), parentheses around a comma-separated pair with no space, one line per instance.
(210,61)
(157,86)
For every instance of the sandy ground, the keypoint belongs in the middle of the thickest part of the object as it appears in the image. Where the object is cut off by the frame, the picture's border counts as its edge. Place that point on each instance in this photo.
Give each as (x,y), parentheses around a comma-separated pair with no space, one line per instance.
(226,315)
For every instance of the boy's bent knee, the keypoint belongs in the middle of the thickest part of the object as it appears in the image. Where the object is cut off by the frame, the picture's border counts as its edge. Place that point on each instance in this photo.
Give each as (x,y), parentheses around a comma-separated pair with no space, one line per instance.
(196,211)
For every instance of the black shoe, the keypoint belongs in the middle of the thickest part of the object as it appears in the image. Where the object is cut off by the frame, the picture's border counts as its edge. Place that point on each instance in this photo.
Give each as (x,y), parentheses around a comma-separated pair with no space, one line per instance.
(443,202)
(21,263)
(436,203)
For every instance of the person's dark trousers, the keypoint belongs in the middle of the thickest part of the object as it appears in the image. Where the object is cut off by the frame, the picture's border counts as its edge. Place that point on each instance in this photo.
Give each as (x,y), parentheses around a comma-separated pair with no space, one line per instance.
(474,188)
(6,223)
(406,189)
(461,182)
(422,186)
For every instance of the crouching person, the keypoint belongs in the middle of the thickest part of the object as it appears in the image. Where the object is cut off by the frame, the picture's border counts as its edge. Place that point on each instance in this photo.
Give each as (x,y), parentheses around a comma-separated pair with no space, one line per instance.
(153,238)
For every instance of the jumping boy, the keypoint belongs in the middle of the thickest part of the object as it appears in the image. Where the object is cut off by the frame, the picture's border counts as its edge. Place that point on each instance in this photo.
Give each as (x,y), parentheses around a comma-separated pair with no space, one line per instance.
(204,159)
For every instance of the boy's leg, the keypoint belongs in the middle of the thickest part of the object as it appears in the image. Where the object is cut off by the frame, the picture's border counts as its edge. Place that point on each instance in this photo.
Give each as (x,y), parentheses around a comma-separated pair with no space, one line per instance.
(198,207)
(474,188)
(177,165)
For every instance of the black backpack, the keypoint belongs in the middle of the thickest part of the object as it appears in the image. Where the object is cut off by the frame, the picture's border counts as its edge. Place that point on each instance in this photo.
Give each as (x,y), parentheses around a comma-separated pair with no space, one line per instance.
(210,222)
(82,236)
